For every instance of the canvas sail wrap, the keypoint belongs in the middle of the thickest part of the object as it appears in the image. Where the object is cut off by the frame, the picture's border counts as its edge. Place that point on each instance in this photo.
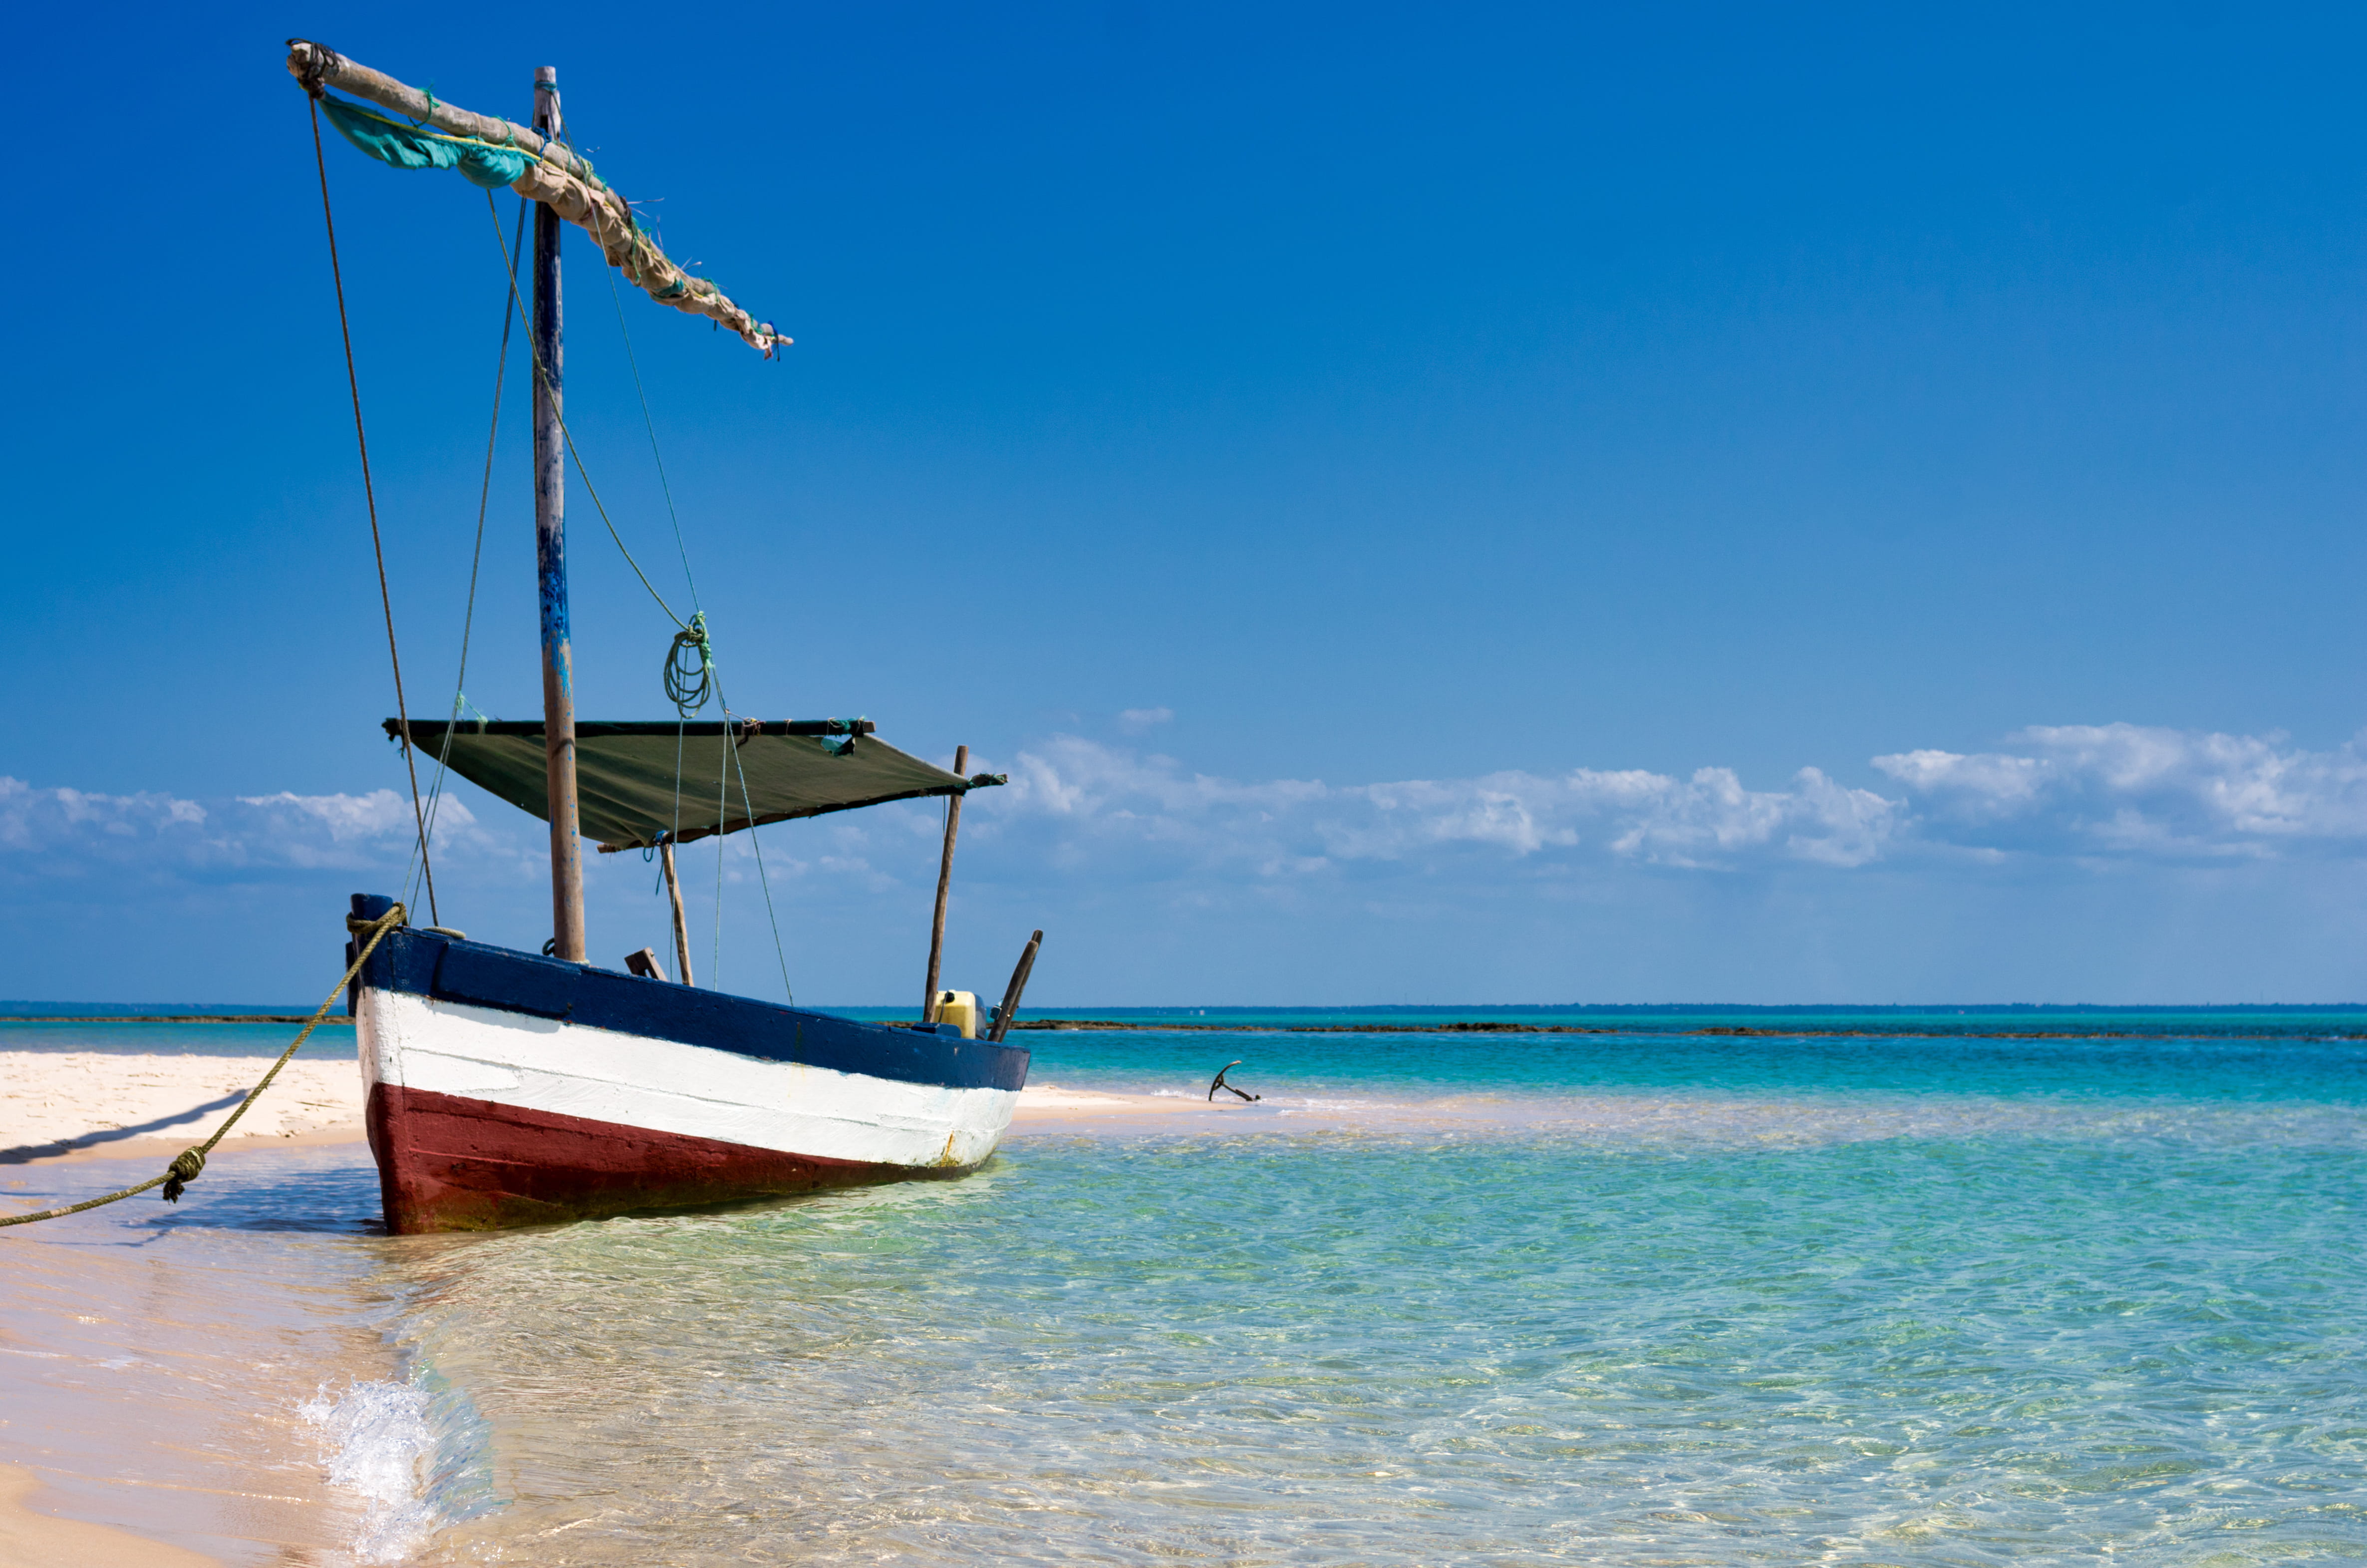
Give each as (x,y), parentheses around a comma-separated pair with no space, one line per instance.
(625,774)
(425,133)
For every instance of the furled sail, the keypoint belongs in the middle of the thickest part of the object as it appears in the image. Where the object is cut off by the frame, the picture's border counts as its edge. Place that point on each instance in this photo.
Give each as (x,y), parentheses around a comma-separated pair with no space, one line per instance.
(631,795)
(427,133)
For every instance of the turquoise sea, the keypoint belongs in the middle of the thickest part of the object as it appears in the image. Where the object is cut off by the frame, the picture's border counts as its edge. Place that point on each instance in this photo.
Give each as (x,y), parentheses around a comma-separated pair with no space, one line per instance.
(1904,1297)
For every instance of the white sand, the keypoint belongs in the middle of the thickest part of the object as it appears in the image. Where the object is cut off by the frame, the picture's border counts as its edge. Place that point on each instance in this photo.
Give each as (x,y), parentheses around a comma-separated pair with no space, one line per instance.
(62,1102)
(1050,1106)
(82,1103)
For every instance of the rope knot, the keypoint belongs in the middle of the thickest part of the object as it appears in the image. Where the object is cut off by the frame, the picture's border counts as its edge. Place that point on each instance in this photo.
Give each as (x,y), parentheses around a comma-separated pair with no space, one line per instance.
(186,1165)
(316,59)
(396,914)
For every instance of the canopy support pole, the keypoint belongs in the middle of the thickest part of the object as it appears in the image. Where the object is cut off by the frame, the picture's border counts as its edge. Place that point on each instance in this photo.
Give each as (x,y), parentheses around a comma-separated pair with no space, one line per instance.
(681,926)
(944,885)
(550,563)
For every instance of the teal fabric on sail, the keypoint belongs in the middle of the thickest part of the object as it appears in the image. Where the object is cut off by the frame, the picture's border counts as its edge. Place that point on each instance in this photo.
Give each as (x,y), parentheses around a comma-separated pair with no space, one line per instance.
(417,147)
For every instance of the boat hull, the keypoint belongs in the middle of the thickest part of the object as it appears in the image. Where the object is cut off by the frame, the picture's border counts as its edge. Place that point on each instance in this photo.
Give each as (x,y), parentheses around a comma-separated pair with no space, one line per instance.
(507,1089)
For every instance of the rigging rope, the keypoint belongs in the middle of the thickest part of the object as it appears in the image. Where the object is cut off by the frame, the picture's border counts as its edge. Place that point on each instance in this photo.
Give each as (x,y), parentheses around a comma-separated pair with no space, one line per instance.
(689,689)
(632,359)
(722,794)
(543,375)
(353,381)
(190,1161)
(762,879)
(477,556)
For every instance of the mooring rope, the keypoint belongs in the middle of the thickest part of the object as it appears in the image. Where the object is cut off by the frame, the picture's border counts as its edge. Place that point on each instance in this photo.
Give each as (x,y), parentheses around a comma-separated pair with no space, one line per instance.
(190,1161)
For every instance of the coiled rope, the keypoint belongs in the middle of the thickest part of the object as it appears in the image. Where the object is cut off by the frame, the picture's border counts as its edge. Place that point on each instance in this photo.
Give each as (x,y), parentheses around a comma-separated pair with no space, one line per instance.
(189,1162)
(690,668)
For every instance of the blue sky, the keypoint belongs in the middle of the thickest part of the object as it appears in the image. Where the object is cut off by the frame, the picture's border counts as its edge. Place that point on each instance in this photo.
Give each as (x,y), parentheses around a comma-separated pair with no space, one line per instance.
(1355,468)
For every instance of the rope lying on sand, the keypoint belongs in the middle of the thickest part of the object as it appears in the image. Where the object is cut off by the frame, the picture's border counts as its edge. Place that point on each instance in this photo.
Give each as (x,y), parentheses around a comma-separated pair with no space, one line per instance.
(189,1162)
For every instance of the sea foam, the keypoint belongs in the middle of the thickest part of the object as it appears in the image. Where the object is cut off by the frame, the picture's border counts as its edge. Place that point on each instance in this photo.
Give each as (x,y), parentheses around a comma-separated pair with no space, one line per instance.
(382,1447)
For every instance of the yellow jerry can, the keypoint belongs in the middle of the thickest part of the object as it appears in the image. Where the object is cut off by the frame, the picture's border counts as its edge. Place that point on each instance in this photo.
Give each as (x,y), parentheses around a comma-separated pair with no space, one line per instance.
(961,1009)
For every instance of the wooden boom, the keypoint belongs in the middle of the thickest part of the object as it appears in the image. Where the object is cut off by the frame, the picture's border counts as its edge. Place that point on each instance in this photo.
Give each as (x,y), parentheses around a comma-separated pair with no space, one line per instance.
(560,178)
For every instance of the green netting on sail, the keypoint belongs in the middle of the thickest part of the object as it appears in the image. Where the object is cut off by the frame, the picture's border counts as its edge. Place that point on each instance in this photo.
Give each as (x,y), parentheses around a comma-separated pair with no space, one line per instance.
(625,773)
(418,147)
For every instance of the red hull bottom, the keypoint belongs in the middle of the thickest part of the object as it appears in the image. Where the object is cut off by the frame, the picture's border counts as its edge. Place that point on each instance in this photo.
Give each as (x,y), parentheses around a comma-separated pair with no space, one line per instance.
(446,1163)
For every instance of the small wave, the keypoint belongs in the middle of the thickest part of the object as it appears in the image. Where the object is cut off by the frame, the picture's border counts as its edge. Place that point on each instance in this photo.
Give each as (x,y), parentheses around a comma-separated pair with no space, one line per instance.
(382,1448)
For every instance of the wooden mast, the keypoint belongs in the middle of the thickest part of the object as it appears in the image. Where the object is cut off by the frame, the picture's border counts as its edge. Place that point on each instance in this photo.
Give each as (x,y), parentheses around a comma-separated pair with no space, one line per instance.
(550,561)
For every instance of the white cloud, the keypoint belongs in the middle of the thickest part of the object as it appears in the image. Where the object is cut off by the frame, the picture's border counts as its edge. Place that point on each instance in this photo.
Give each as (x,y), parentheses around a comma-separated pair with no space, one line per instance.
(1135,721)
(35,820)
(2130,790)
(352,818)
(1075,802)
(2076,793)
(67,832)
(1078,810)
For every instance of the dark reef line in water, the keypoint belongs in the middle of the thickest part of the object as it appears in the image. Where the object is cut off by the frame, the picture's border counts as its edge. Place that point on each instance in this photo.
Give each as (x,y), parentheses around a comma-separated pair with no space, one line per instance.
(1491,1026)
(1495,1028)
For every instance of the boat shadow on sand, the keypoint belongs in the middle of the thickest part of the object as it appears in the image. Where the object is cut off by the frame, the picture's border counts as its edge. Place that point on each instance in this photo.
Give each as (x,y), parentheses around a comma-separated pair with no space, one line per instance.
(24,1153)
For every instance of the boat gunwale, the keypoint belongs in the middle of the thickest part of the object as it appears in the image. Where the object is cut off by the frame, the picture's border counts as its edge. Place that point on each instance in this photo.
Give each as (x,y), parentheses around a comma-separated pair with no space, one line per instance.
(439,967)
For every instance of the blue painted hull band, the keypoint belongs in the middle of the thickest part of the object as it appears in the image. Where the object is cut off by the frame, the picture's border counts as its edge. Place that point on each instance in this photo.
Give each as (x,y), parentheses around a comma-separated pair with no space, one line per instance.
(422,964)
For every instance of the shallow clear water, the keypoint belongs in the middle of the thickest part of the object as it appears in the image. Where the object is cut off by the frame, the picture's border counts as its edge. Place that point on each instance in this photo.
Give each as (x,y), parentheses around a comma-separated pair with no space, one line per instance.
(1647,1301)
(136,1037)
(2205,1070)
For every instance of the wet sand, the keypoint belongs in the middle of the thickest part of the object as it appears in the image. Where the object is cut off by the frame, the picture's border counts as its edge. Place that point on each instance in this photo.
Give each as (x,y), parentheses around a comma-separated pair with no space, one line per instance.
(30,1538)
(152,1362)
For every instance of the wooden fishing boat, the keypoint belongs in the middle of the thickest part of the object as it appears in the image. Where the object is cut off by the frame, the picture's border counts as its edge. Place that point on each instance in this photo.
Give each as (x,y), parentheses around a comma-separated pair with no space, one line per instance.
(508,1088)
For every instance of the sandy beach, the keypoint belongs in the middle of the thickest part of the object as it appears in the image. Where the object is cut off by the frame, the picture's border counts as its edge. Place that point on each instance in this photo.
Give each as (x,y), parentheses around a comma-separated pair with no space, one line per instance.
(61,1105)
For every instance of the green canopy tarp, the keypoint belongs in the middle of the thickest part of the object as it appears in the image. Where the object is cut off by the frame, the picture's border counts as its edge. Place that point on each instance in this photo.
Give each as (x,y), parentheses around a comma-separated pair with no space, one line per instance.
(625,773)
